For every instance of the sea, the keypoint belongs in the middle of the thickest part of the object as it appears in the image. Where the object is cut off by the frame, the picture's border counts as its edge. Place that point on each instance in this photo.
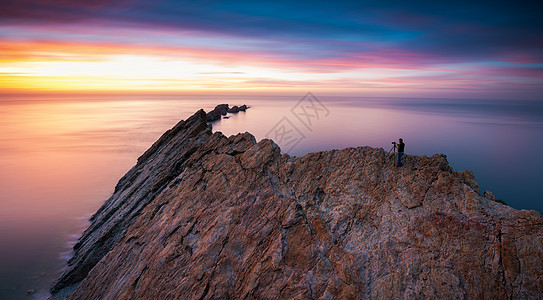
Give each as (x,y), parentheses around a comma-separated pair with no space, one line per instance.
(61,155)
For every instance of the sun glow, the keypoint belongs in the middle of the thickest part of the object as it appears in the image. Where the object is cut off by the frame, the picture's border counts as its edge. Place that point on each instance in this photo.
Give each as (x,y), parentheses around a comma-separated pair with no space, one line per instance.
(111,67)
(56,66)
(60,71)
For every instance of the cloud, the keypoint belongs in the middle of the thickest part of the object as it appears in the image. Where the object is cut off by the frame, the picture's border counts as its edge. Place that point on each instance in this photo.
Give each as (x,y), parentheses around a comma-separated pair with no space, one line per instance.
(487,41)
(459,30)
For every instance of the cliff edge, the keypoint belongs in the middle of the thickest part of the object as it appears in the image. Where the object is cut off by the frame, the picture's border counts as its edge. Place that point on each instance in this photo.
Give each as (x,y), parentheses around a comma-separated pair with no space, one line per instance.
(205,216)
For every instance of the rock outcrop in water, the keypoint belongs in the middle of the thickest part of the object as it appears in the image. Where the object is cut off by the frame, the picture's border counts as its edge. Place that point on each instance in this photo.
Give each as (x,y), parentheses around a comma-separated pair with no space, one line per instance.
(222,109)
(204,216)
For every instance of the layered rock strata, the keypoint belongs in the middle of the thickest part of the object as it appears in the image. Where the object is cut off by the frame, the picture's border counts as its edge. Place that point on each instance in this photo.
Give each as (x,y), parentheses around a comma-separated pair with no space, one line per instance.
(205,216)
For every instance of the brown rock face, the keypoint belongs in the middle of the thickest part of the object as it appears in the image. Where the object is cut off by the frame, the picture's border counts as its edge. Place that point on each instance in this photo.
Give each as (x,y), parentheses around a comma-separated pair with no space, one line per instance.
(203,216)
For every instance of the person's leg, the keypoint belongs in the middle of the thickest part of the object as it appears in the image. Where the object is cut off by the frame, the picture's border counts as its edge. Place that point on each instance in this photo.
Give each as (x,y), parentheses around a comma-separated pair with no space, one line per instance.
(400,159)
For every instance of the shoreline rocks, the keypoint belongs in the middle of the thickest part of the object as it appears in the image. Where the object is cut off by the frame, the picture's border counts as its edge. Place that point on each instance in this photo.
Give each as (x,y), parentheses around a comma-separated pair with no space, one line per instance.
(222,109)
(205,216)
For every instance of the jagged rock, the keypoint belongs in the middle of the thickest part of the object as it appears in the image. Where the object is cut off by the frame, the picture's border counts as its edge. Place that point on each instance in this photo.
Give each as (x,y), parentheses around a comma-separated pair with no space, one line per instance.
(233,109)
(217,112)
(236,109)
(164,161)
(213,115)
(221,110)
(204,216)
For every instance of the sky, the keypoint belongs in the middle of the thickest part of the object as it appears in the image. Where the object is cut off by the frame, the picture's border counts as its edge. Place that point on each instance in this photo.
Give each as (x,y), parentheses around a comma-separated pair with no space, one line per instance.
(454,49)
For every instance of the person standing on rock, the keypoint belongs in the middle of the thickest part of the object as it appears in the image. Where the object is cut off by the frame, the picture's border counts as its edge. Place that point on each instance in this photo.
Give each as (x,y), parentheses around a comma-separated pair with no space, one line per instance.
(401,149)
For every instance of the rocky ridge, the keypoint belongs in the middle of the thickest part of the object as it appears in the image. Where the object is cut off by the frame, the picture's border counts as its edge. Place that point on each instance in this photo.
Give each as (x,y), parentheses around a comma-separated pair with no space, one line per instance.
(204,216)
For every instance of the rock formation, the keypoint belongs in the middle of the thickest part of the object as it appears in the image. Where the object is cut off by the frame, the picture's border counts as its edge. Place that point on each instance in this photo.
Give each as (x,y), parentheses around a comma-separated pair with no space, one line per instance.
(236,109)
(222,109)
(205,216)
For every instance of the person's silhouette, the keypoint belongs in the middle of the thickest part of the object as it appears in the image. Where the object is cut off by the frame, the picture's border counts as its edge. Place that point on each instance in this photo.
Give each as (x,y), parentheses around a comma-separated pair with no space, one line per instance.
(401,149)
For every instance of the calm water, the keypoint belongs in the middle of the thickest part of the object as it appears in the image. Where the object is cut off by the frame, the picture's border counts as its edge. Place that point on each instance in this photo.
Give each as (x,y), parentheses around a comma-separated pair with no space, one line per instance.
(60,157)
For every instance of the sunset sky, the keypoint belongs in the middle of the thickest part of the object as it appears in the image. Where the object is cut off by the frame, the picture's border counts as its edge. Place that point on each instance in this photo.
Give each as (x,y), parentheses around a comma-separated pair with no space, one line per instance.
(378,48)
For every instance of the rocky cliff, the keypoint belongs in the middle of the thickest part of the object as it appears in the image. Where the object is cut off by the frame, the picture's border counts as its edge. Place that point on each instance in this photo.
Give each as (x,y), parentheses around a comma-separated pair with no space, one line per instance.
(205,216)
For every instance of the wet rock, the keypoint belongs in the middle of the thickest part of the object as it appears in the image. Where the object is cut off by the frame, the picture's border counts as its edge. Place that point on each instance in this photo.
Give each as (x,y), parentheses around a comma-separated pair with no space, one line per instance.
(222,110)
(205,216)
(234,109)
(217,112)
(213,115)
